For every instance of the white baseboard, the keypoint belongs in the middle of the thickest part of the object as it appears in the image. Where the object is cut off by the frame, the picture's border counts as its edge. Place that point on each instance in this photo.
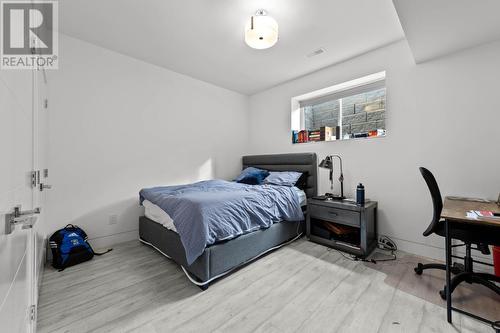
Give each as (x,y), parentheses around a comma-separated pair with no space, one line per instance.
(107,241)
(424,250)
(419,249)
(438,253)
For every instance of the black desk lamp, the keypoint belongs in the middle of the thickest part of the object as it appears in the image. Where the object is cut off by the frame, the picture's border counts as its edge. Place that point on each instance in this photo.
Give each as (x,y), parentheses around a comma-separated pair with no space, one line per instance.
(327,163)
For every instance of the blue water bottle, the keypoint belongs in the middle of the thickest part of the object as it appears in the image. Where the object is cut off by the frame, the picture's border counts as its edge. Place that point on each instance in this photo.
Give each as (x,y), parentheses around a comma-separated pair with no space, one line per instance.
(360,195)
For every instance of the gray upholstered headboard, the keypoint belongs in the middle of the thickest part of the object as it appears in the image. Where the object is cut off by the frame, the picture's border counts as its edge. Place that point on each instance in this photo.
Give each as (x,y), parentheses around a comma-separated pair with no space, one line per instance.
(301,162)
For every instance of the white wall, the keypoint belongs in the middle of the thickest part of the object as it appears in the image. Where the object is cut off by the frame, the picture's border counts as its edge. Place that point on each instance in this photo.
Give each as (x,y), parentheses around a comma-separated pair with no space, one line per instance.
(118,124)
(442,114)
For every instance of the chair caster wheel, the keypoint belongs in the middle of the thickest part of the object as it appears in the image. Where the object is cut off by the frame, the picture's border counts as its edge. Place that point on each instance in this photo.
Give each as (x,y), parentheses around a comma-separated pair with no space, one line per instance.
(442,293)
(419,269)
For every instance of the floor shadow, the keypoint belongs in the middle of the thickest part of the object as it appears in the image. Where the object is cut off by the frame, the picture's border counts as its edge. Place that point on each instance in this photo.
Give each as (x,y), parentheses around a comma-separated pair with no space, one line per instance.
(470,297)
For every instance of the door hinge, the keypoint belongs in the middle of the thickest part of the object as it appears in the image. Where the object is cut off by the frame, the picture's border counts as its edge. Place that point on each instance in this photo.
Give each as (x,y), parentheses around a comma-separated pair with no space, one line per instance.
(33,312)
(33,178)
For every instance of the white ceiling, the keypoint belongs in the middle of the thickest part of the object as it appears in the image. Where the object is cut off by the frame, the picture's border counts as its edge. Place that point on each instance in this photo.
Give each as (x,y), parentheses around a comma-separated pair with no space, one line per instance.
(204,39)
(435,28)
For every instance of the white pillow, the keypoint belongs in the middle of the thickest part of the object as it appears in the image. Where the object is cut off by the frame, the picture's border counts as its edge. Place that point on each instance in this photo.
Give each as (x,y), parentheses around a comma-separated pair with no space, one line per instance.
(283,178)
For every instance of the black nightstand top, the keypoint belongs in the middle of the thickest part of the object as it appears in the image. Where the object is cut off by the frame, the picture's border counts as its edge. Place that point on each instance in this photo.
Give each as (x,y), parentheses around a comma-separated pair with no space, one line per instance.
(342,204)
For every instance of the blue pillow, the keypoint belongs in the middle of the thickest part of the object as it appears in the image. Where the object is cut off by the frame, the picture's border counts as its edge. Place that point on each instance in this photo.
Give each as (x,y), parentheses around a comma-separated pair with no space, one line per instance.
(252,176)
(283,178)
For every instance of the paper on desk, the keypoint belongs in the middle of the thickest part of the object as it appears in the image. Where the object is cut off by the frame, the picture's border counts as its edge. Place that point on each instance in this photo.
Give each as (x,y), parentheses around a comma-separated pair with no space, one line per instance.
(472,214)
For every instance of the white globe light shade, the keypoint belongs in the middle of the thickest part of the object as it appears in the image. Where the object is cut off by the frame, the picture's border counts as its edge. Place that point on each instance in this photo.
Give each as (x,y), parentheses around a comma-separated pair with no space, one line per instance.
(261,32)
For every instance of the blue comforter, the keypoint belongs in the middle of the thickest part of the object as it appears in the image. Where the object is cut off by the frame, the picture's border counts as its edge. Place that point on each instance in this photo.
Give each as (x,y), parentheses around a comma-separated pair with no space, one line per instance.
(214,210)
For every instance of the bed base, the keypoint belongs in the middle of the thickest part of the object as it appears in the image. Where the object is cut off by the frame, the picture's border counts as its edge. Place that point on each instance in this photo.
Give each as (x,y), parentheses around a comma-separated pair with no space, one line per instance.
(222,258)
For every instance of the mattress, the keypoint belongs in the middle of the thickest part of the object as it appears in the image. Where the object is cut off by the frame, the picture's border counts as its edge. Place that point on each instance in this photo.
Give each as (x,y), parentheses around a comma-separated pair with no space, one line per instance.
(158,215)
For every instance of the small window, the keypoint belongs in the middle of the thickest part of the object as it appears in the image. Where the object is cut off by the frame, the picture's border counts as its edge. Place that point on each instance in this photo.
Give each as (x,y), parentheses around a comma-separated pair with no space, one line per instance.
(354,109)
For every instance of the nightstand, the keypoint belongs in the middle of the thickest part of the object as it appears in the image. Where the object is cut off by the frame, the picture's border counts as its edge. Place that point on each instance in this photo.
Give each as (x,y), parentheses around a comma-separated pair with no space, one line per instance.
(343,225)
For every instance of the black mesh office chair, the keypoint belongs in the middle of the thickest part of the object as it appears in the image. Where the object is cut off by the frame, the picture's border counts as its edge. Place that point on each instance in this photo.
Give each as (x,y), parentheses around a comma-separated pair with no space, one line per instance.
(469,234)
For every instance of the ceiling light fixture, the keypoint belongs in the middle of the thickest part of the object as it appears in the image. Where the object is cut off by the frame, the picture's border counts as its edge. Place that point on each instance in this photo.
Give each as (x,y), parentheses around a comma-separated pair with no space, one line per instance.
(261,31)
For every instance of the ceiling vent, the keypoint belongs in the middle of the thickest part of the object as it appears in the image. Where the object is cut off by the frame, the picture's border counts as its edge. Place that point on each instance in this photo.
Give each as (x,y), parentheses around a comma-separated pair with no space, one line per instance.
(316,52)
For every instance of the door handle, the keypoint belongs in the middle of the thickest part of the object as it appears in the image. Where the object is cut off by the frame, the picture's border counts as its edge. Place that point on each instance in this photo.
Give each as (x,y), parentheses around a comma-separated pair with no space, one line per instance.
(27,222)
(26,218)
(45,186)
(18,212)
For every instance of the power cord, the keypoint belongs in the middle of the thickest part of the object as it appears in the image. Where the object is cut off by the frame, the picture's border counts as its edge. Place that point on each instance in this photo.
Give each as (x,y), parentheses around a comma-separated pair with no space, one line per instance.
(384,243)
(352,257)
(387,244)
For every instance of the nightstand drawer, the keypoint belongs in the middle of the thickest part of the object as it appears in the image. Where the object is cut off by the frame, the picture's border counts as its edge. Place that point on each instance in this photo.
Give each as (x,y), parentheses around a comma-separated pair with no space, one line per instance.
(342,216)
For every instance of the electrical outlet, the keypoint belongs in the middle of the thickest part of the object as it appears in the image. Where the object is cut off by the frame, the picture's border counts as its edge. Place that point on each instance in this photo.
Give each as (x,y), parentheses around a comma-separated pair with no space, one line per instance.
(113,219)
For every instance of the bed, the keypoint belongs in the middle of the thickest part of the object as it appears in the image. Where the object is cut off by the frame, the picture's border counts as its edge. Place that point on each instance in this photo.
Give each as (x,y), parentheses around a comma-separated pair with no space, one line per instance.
(221,258)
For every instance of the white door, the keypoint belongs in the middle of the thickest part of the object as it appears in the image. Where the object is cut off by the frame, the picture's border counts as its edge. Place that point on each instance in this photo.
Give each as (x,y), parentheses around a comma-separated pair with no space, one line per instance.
(40,165)
(20,148)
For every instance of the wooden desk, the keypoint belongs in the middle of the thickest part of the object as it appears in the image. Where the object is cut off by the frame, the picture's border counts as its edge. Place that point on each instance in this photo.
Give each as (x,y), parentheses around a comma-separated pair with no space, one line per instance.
(455,210)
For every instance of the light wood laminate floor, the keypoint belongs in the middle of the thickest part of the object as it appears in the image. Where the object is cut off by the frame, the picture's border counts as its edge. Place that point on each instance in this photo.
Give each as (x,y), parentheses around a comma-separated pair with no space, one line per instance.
(302,287)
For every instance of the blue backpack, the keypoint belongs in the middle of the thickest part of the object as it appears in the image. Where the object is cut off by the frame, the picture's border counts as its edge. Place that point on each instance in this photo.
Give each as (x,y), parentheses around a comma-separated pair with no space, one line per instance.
(69,247)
